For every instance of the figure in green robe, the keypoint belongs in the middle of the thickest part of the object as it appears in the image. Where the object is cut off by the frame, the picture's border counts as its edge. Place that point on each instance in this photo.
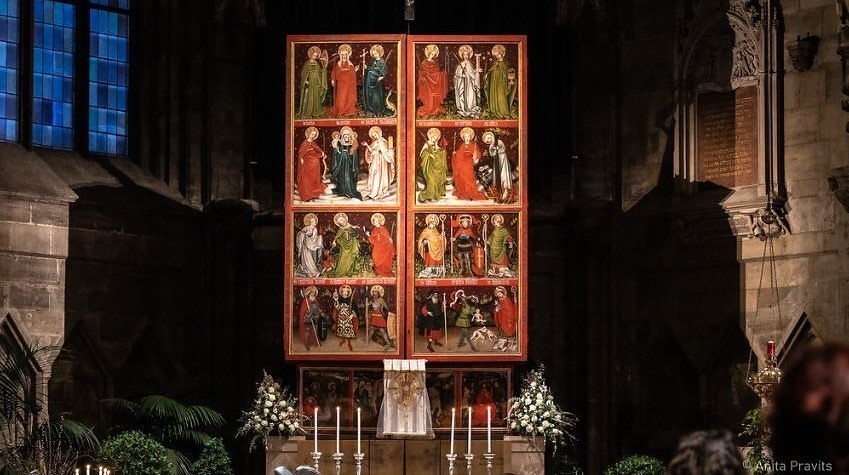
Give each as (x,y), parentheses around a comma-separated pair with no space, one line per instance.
(313,81)
(465,306)
(500,245)
(496,85)
(434,165)
(348,243)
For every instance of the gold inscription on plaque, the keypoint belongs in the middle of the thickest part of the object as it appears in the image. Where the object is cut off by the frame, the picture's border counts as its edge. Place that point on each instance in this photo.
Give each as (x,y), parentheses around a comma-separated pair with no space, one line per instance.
(727,124)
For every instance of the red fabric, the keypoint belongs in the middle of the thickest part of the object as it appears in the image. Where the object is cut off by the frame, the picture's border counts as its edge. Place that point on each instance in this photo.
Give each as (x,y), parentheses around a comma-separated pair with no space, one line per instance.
(344,91)
(463,170)
(482,401)
(505,317)
(432,89)
(382,251)
(309,171)
(307,332)
(377,319)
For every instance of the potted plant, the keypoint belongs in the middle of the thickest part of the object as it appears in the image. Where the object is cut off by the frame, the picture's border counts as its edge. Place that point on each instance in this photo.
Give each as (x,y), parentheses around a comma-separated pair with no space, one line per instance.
(534,413)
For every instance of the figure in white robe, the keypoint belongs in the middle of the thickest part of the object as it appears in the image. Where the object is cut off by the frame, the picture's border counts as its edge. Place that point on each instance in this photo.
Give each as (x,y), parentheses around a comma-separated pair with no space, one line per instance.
(308,247)
(502,179)
(380,157)
(467,84)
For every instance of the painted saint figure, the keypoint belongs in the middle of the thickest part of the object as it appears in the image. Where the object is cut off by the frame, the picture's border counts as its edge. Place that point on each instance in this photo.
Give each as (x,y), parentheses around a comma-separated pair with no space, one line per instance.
(500,247)
(343,78)
(465,240)
(434,167)
(345,320)
(467,84)
(463,162)
(465,307)
(310,317)
(374,89)
(313,84)
(431,248)
(345,165)
(502,180)
(432,316)
(505,313)
(348,243)
(380,157)
(496,85)
(382,247)
(378,313)
(308,248)
(432,84)
(310,160)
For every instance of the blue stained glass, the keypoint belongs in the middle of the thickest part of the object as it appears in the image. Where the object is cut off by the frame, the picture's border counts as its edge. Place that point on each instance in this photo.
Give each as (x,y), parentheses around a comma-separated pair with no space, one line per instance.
(108,78)
(9,40)
(53,74)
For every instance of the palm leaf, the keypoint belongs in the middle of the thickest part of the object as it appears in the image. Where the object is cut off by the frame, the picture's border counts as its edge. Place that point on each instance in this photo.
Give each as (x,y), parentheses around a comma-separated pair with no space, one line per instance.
(180,464)
(80,435)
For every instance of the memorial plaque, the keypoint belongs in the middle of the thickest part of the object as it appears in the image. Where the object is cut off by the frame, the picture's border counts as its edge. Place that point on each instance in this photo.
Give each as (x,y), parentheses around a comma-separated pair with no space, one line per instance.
(728,137)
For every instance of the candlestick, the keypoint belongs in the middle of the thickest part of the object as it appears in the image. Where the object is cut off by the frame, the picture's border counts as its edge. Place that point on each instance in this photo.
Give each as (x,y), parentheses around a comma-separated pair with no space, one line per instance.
(315,424)
(316,456)
(359,424)
(358,461)
(489,428)
(337,429)
(453,414)
(469,449)
(451,458)
(337,457)
(469,457)
(489,456)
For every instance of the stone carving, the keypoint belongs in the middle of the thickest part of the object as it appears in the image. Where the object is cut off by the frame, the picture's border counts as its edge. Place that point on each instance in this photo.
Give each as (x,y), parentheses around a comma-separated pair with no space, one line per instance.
(745,65)
(744,17)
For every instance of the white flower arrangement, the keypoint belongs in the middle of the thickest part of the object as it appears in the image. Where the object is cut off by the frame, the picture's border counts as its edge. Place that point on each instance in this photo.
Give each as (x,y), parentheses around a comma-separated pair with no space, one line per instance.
(535,413)
(274,412)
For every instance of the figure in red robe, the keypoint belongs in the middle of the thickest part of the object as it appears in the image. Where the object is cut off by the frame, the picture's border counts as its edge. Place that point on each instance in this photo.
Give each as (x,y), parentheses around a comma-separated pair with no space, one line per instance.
(482,401)
(309,315)
(382,247)
(505,313)
(343,77)
(463,162)
(432,85)
(310,158)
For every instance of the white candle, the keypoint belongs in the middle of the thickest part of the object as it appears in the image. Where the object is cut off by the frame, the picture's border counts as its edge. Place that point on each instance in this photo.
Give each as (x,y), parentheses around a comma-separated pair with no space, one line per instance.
(453,414)
(76,471)
(469,450)
(337,429)
(359,415)
(99,470)
(489,429)
(87,469)
(315,422)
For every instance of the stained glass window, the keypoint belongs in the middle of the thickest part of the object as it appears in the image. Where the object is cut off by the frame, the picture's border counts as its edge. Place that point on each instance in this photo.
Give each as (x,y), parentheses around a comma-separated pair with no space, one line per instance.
(107,89)
(9,42)
(53,75)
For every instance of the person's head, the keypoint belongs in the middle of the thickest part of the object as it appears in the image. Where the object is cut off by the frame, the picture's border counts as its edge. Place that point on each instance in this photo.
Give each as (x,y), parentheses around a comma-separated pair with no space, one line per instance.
(311,293)
(433,135)
(311,133)
(313,52)
(810,418)
(378,291)
(376,51)
(710,452)
(498,52)
(344,52)
(431,52)
(500,292)
(347,135)
(345,291)
(375,133)
(310,219)
(465,220)
(341,220)
(378,219)
(497,220)
(488,138)
(432,221)
(465,52)
(434,297)
(467,134)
